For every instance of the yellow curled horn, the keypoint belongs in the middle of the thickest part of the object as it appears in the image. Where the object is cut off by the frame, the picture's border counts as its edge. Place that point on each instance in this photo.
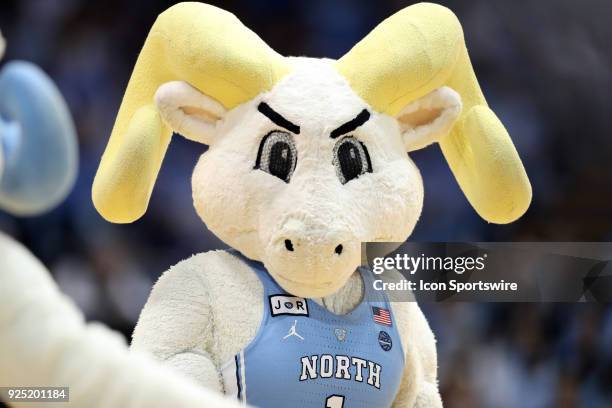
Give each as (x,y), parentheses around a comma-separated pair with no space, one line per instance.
(416,51)
(211,50)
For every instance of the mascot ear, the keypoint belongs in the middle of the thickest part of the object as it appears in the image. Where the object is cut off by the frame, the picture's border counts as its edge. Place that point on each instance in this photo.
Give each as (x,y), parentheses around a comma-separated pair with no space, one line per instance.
(188,111)
(429,118)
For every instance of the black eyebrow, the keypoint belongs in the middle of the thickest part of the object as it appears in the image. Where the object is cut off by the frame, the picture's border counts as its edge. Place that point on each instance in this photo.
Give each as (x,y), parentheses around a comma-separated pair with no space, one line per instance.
(277,118)
(352,124)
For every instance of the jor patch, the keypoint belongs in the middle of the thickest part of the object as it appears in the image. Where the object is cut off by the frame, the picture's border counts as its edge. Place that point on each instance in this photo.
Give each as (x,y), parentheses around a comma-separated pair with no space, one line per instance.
(283,305)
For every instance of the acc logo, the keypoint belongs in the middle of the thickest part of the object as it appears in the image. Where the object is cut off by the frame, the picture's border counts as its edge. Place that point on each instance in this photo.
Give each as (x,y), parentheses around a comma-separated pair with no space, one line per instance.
(385,340)
(282,305)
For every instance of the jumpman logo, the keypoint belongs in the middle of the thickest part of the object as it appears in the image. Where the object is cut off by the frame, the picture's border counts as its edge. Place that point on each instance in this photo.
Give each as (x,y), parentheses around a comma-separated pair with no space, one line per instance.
(293,332)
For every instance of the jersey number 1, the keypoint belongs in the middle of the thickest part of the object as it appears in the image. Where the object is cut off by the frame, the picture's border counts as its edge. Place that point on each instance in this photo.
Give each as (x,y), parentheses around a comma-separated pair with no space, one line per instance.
(334,401)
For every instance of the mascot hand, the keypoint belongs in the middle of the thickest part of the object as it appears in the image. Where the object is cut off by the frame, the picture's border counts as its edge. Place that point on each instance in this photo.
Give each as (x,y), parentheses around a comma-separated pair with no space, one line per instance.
(38,148)
(45,341)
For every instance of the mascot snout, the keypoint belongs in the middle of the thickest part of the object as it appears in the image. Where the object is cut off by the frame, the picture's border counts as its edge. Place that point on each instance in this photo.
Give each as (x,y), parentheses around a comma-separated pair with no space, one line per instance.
(310,259)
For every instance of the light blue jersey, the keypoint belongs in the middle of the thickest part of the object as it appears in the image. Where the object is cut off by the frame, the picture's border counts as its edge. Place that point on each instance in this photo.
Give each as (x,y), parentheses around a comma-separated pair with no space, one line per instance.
(306,356)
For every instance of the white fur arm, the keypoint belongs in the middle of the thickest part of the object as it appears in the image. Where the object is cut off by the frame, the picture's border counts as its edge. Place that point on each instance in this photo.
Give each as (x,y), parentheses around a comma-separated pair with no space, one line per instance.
(176,325)
(419,385)
(44,341)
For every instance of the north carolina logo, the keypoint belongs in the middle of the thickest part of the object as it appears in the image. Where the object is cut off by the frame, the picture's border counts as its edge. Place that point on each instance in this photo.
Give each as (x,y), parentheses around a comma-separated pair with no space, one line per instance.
(340,334)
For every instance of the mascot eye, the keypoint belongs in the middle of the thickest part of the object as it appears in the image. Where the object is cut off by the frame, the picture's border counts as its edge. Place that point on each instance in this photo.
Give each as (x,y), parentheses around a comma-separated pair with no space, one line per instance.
(351,159)
(277,155)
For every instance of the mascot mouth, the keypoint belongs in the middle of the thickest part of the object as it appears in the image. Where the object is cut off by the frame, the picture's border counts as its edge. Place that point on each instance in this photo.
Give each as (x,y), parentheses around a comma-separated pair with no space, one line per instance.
(313,288)
(308,285)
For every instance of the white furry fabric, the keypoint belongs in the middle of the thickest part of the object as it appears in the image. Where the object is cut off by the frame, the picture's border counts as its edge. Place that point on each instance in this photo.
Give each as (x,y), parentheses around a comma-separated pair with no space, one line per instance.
(207,308)
(44,341)
(256,212)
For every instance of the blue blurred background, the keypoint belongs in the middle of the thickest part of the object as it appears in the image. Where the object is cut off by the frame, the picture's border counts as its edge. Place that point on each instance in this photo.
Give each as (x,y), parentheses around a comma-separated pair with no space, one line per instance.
(546,69)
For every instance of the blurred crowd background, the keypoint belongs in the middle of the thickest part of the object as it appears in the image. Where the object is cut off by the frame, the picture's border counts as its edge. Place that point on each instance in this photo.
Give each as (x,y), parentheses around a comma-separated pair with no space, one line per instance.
(546,69)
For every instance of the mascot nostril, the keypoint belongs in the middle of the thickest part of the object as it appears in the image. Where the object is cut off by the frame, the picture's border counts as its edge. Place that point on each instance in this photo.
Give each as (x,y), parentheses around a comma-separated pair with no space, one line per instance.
(338,249)
(289,245)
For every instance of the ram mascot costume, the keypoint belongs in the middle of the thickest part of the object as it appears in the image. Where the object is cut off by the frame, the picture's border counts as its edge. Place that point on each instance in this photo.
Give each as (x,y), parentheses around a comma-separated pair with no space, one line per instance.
(307,159)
